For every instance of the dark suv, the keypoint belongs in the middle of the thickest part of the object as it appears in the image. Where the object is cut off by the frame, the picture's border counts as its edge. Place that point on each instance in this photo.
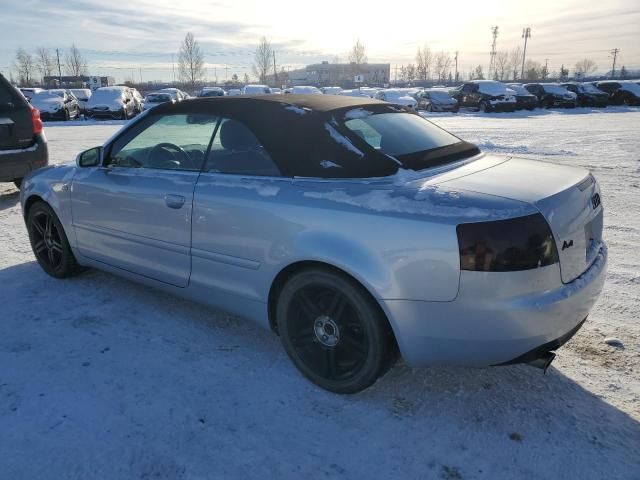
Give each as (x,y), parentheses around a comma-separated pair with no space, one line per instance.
(485,95)
(552,95)
(23,146)
(620,92)
(588,95)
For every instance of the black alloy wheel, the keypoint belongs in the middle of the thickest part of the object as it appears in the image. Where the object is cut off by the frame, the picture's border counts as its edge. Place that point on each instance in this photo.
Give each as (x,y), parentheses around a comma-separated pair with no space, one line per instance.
(49,242)
(333,331)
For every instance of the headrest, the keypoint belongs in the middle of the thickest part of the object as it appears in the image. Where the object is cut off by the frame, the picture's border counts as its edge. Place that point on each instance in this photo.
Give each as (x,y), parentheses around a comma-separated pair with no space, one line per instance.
(235,136)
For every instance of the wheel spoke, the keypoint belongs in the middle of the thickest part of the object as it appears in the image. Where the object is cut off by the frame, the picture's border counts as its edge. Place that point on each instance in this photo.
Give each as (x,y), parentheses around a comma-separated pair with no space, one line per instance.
(308,306)
(350,342)
(337,306)
(330,363)
(51,256)
(56,246)
(47,228)
(39,246)
(38,227)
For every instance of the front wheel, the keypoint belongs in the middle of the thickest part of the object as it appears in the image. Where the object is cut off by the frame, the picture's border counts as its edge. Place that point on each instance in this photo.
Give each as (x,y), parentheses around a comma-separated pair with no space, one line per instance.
(49,242)
(333,331)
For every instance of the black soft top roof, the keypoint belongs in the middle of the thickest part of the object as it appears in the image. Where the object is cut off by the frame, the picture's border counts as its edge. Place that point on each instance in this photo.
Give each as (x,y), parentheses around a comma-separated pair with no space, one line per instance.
(318,103)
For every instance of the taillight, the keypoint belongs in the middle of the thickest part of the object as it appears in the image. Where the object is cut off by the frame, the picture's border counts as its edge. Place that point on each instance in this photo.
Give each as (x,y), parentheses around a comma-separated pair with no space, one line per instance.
(521,243)
(36,121)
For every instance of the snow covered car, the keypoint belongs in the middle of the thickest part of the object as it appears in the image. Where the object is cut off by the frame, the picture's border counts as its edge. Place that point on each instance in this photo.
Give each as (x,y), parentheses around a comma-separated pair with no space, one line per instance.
(111,102)
(275,90)
(621,92)
(82,95)
(524,99)
(154,99)
(331,90)
(177,94)
(485,95)
(436,100)
(354,93)
(30,92)
(303,90)
(234,91)
(397,97)
(211,92)
(552,95)
(351,227)
(256,90)
(57,104)
(587,94)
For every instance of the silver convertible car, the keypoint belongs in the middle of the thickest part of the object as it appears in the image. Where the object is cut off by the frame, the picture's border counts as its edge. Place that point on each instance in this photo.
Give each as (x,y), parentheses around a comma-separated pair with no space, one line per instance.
(353,228)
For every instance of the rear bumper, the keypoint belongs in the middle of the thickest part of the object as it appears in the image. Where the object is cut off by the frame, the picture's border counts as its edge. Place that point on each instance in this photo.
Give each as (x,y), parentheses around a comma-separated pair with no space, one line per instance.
(495,318)
(114,115)
(15,164)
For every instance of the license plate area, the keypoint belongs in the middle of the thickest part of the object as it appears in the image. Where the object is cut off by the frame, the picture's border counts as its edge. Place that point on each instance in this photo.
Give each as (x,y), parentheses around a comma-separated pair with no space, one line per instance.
(593,237)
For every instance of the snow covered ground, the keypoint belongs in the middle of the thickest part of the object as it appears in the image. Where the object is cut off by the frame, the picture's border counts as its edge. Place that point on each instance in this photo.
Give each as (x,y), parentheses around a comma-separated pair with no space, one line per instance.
(101,378)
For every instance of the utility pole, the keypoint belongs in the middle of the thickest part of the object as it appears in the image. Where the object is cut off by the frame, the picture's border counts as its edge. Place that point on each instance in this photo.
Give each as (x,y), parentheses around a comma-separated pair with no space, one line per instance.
(526,34)
(59,69)
(456,59)
(140,72)
(275,70)
(614,53)
(546,68)
(492,62)
(173,67)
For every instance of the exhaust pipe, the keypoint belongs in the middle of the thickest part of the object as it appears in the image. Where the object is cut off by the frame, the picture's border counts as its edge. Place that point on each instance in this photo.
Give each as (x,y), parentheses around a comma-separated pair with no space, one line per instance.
(543,361)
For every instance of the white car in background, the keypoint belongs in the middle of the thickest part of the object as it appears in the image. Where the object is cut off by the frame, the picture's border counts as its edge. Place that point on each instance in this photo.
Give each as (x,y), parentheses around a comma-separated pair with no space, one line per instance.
(256,90)
(156,98)
(83,95)
(331,90)
(111,102)
(276,90)
(370,91)
(232,92)
(56,104)
(397,97)
(353,93)
(177,94)
(303,90)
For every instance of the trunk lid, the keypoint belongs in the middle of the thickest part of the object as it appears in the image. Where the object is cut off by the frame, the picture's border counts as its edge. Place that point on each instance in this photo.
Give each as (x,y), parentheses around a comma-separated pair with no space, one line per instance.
(568,197)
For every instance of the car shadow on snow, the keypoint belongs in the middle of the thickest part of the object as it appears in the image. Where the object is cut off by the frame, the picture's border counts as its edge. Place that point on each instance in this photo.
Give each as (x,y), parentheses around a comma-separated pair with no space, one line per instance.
(9,197)
(171,355)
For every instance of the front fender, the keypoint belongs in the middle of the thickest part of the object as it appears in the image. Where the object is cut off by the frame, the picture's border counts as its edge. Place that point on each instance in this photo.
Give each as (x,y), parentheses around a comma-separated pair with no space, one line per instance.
(53,186)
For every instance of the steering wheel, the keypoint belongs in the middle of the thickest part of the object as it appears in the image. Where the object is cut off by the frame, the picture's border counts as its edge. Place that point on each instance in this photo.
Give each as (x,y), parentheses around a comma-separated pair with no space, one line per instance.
(172,149)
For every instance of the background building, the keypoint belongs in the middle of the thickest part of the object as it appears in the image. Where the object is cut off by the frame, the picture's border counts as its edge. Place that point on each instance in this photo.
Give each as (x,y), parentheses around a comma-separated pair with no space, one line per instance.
(338,74)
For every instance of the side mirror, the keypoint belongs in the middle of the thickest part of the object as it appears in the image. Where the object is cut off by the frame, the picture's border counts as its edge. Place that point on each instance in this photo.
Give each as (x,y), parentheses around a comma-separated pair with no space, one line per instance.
(90,158)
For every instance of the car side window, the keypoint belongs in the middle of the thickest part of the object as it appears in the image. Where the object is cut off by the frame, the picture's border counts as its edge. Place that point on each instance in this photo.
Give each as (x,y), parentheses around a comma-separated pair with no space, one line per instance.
(468,88)
(236,150)
(171,142)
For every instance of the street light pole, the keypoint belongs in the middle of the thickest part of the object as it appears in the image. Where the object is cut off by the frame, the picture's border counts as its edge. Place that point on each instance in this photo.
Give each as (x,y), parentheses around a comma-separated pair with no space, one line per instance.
(526,34)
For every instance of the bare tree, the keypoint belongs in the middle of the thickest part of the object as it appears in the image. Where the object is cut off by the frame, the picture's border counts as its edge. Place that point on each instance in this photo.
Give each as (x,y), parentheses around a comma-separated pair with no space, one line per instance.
(477,73)
(585,67)
(246,79)
(263,60)
(74,62)
(358,54)
(24,65)
(515,62)
(411,72)
(44,62)
(502,65)
(191,61)
(532,70)
(424,57)
(443,62)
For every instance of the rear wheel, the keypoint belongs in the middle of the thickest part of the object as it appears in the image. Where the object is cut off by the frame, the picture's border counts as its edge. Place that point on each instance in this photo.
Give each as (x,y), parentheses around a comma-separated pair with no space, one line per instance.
(485,107)
(49,242)
(333,331)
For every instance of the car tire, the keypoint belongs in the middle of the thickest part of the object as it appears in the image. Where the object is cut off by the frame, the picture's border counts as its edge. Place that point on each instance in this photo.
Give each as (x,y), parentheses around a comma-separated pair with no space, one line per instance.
(49,242)
(484,107)
(333,331)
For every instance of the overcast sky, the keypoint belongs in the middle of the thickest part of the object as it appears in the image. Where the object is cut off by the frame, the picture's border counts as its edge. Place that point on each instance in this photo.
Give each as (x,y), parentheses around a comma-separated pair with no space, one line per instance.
(139,37)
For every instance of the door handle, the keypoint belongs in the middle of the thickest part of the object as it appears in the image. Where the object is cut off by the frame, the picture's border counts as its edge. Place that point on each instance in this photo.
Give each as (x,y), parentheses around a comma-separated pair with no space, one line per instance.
(174,201)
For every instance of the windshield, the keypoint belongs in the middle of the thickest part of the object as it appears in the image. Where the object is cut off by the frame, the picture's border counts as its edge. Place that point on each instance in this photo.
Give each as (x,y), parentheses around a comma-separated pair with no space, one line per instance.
(519,89)
(105,96)
(158,97)
(493,88)
(630,87)
(554,88)
(439,95)
(588,88)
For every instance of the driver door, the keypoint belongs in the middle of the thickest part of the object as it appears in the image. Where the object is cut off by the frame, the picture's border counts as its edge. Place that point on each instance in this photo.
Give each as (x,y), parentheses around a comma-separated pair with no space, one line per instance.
(134,211)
